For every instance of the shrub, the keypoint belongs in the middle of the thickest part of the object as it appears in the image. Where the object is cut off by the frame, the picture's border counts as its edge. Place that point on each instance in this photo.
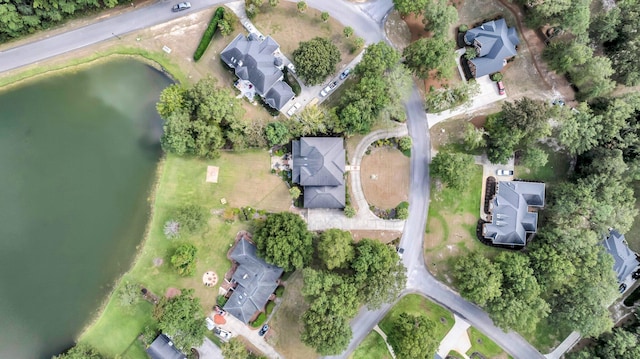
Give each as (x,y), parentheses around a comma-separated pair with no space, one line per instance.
(497,76)
(349,211)
(259,321)
(129,294)
(404,145)
(446,98)
(402,210)
(221,300)
(279,291)
(270,306)
(292,82)
(208,33)
(463,28)
(172,229)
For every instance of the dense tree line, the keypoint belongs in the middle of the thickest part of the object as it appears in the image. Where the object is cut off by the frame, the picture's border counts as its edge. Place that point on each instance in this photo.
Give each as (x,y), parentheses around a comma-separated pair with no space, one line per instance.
(565,266)
(19,17)
(203,119)
(621,343)
(382,85)
(181,318)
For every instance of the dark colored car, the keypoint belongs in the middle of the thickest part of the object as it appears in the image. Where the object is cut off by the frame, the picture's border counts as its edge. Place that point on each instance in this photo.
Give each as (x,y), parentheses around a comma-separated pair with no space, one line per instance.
(263,330)
(181,6)
(344,74)
(622,288)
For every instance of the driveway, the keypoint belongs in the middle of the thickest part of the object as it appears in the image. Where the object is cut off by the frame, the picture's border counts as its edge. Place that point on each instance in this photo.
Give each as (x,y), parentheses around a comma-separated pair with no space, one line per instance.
(490,169)
(208,350)
(236,327)
(456,339)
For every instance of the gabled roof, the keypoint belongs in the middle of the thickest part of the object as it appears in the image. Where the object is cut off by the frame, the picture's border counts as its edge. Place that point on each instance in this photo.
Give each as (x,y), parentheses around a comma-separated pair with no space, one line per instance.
(253,60)
(497,43)
(279,95)
(625,261)
(163,348)
(256,279)
(510,216)
(324,196)
(318,161)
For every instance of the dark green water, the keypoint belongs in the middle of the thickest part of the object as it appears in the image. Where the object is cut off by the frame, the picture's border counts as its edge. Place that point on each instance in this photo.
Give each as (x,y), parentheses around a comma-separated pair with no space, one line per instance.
(78,154)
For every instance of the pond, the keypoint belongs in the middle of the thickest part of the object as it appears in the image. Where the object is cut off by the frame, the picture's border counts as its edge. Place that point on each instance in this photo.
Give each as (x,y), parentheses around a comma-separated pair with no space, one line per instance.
(78,157)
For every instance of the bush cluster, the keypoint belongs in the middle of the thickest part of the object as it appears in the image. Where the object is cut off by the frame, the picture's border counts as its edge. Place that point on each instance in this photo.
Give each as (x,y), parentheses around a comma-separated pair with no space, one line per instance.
(208,33)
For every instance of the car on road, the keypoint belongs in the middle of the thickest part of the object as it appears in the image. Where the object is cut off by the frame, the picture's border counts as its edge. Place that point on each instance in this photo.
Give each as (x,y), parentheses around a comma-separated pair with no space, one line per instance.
(263,330)
(294,108)
(181,6)
(500,88)
(504,172)
(329,88)
(344,74)
(292,67)
(400,252)
(222,334)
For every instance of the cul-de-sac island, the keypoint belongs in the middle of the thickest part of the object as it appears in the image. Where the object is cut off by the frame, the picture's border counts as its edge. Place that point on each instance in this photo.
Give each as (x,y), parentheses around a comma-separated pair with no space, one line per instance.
(322,178)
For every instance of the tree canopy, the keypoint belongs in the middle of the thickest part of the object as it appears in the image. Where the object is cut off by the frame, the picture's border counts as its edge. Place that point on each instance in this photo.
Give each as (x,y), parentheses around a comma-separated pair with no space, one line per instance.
(479,279)
(427,54)
(284,240)
(453,168)
(438,16)
(316,59)
(335,248)
(182,319)
(406,7)
(184,259)
(198,120)
(412,337)
(80,351)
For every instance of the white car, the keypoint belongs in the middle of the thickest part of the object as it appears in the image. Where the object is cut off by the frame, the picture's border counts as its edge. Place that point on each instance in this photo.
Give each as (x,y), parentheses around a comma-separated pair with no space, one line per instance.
(181,6)
(294,108)
(209,323)
(504,172)
(292,67)
(222,334)
(329,88)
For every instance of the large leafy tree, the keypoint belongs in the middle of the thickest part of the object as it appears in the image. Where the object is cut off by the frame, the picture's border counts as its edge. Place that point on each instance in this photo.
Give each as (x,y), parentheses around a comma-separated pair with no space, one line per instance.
(316,59)
(453,168)
(198,120)
(580,132)
(413,337)
(479,279)
(284,240)
(234,349)
(182,319)
(379,274)
(184,259)
(427,54)
(438,16)
(325,331)
(520,306)
(335,248)
(378,58)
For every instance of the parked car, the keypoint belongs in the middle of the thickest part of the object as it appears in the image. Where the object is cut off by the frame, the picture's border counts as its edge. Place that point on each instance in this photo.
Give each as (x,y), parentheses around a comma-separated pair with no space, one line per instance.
(293,109)
(222,334)
(622,288)
(263,330)
(209,323)
(344,74)
(558,102)
(400,252)
(181,6)
(329,88)
(247,25)
(504,172)
(292,67)
(500,88)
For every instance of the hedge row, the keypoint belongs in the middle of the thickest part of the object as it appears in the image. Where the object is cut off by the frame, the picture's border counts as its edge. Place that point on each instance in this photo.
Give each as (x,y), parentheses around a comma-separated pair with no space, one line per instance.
(208,33)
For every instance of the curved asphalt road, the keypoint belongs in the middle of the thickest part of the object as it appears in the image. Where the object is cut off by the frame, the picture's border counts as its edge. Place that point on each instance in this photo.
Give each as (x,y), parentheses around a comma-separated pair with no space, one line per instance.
(366,20)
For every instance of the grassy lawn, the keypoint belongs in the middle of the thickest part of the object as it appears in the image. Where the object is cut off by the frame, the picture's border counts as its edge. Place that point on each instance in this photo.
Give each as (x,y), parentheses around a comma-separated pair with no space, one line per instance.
(451,226)
(417,304)
(480,343)
(554,171)
(546,336)
(182,181)
(286,323)
(372,346)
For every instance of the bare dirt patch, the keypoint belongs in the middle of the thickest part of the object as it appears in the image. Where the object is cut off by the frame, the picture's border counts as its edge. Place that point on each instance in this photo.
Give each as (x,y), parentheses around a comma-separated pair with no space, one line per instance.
(383,236)
(385,177)
(397,31)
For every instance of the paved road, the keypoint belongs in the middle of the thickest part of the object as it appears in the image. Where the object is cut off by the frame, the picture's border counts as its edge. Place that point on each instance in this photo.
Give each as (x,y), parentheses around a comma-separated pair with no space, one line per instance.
(367,23)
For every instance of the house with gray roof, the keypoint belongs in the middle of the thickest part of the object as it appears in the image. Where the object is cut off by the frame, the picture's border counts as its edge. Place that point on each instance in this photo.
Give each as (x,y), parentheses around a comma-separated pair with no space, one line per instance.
(513,212)
(495,43)
(625,260)
(318,166)
(258,68)
(254,281)
(163,348)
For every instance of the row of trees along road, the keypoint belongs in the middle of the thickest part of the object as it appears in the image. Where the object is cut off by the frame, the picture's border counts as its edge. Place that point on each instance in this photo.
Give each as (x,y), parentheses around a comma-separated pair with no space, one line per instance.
(339,275)
(564,275)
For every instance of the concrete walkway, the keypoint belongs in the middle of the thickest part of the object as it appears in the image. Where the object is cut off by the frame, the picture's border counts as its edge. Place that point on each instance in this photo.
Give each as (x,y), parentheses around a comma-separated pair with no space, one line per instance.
(384,337)
(236,327)
(456,339)
(320,219)
(565,346)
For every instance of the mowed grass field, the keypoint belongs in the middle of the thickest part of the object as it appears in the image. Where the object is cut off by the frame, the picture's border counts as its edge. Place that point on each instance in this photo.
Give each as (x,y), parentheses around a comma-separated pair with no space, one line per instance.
(372,346)
(244,180)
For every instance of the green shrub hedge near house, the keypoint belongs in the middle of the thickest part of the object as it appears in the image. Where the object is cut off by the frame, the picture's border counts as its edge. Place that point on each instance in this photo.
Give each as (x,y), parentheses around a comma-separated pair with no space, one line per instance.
(208,33)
